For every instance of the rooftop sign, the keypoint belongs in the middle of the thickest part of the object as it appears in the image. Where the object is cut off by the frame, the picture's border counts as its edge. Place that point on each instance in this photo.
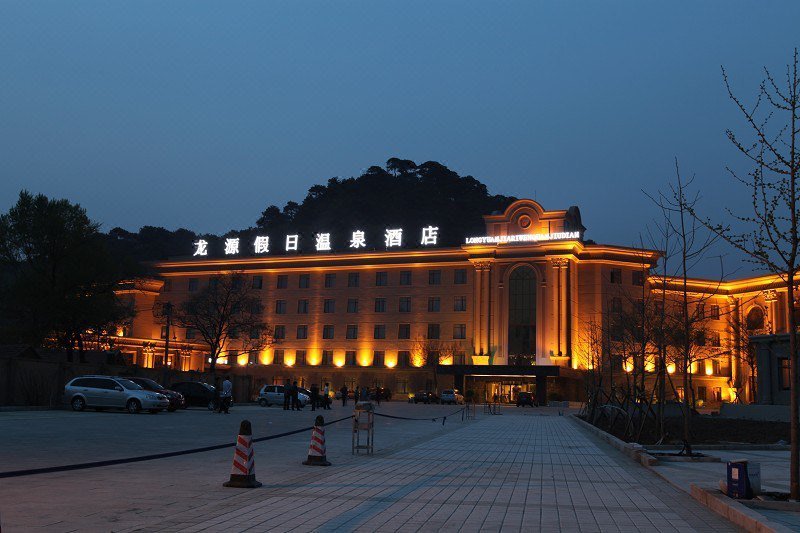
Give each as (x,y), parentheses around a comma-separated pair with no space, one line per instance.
(525,237)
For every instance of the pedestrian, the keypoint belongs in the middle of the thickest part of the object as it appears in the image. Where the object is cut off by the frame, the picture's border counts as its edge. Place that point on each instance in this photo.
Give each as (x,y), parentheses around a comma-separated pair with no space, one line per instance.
(287,394)
(326,400)
(364,394)
(295,397)
(344,395)
(378,395)
(226,396)
(356,394)
(314,396)
(217,402)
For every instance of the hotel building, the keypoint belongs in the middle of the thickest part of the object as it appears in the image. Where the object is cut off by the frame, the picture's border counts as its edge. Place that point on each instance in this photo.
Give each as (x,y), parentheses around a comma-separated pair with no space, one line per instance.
(510,310)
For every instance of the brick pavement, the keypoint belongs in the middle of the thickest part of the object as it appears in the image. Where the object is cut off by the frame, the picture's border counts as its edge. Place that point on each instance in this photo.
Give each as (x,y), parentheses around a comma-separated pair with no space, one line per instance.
(505,473)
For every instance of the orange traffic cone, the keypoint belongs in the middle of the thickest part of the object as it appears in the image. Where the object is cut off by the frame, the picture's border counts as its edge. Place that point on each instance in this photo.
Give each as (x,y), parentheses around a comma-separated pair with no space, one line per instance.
(316,450)
(243,473)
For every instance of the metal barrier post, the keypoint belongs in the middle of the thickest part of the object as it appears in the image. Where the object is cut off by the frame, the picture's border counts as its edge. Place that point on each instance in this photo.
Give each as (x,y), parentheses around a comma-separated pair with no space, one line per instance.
(363,422)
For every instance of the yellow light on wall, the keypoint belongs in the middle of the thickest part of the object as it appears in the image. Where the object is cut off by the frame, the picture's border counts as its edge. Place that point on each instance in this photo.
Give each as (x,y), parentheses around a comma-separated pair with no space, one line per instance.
(709,368)
(365,357)
(243,359)
(338,359)
(391,360)
(628,366)
(289,359)
(314,357)
(265,357)
(671,368)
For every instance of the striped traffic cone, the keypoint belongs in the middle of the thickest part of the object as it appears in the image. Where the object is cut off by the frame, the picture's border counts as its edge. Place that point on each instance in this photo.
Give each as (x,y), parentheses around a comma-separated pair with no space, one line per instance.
(243,472)
(316,450)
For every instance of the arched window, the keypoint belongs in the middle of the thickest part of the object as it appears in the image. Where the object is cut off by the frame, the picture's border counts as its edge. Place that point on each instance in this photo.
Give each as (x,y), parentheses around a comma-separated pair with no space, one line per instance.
(755,319)
(522,312)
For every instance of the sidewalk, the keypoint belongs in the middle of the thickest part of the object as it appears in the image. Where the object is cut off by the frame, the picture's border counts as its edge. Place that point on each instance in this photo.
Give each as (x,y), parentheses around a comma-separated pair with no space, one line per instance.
(774,476)
(513,472)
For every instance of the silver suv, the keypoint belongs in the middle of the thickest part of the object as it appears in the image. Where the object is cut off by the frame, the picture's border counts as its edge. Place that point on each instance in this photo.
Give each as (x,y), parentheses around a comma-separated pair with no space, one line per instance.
(107,391)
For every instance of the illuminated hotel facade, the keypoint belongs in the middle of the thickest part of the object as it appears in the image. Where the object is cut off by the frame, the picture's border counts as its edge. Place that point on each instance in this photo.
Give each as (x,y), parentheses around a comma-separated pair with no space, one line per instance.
(507,311)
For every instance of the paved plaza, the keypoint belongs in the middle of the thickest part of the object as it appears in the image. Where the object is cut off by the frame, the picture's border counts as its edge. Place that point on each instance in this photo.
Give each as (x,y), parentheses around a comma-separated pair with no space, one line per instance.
(528,470)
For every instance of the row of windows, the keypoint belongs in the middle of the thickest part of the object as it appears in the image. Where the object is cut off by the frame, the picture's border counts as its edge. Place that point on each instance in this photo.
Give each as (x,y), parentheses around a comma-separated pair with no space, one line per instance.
(637,277)
(378,331)
(350,359)
(714,312)
(353,280)
(403,305)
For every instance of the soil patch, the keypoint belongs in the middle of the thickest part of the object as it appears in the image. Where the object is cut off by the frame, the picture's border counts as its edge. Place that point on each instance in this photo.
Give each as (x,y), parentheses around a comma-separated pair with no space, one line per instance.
(707,430)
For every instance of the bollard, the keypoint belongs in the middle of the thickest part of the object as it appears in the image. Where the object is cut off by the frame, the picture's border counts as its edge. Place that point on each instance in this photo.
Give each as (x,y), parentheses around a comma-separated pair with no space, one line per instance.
(316,450)
(243,473)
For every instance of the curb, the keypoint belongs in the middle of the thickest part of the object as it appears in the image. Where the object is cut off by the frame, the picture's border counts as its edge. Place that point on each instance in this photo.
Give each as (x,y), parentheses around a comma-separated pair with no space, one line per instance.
(631,449)
(735,512)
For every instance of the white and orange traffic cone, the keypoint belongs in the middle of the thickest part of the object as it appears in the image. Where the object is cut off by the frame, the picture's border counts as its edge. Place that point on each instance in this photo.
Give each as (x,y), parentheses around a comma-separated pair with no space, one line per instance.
(316,450)
(243,472)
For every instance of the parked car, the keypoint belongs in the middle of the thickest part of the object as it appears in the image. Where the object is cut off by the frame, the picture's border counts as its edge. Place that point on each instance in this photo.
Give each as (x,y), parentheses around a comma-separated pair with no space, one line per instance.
(196,394)
(452,396)
(425,397)
(273,395)
(176,399)
(102,392)
(525,398)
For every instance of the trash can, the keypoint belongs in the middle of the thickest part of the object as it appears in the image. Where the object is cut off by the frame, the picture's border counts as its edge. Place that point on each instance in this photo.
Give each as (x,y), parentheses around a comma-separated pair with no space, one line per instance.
(738,482)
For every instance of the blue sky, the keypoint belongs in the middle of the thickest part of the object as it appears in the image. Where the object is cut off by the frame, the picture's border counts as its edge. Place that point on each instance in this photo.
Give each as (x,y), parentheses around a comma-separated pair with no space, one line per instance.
(199,114)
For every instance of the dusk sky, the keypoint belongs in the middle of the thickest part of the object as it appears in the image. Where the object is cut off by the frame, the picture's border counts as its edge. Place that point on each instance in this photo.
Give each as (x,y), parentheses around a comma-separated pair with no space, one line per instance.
(201,114)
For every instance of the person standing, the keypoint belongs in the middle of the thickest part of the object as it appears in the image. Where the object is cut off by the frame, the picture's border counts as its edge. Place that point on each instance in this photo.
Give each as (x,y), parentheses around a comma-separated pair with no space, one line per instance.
(287,394)
(344,395)
(378,395)
(356,394)
(295,397)
(226,396)
(364,394)
(326,399)
(314,396)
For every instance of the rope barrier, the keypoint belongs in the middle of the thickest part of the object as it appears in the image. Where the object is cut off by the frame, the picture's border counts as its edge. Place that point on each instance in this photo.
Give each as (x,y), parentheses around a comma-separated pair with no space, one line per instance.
(434,419)
(151,457)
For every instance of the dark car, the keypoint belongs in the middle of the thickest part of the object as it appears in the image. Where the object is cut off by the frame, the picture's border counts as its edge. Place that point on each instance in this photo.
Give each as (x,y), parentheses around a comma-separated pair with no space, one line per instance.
(196,394)
(176,400)
(525,398)
(425,397)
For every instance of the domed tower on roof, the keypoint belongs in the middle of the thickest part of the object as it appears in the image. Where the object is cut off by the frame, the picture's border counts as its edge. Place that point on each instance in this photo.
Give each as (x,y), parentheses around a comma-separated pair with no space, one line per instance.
(526,217)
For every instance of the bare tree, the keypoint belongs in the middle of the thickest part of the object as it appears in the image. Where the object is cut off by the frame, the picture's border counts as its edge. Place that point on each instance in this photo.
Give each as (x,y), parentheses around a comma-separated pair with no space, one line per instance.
(769,236)
(684,331)
(227,315)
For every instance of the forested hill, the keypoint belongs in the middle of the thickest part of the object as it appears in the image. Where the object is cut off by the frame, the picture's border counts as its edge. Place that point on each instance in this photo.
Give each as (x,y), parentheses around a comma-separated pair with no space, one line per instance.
(400,195)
